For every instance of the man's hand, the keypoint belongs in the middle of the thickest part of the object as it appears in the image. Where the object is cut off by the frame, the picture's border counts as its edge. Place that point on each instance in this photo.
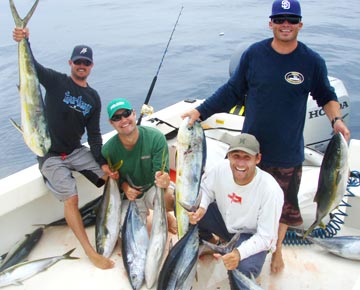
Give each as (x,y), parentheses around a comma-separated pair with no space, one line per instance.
(162,179)
(195,217)
(108,172)
(193,116)
(20,33)
(230,260)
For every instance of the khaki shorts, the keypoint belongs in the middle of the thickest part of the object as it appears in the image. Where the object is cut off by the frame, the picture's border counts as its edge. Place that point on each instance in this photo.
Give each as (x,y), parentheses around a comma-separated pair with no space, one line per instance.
(58,172)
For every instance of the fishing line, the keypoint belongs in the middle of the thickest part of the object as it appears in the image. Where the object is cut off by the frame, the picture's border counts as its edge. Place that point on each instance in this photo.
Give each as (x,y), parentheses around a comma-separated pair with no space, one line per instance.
(157,72)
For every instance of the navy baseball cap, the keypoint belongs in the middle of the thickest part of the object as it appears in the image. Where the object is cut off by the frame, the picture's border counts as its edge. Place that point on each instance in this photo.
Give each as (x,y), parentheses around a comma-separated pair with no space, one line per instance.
(285,7)
(82,52)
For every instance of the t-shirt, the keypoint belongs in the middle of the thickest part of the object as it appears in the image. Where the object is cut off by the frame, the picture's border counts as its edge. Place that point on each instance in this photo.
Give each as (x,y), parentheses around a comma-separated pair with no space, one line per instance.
(143,160)
(254,208)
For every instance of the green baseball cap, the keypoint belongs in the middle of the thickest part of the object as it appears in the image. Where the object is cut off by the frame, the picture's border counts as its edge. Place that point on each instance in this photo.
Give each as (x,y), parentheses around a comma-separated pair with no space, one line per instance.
(118,104)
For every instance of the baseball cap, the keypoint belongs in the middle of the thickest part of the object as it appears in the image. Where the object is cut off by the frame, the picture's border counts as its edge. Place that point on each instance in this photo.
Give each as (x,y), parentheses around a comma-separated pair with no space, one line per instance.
(286,7)
(245,142)
(118,104)
(82,52)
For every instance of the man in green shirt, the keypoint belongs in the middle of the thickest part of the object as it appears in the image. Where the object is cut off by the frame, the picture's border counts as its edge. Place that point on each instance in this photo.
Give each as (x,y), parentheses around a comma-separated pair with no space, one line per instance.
(144,154)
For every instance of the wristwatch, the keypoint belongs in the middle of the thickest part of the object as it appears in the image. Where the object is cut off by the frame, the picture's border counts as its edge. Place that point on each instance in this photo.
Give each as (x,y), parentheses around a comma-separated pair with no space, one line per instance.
(335,119)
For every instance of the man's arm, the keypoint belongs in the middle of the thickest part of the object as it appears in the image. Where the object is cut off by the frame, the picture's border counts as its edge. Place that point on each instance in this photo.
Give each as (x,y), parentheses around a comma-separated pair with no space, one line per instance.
(333,112)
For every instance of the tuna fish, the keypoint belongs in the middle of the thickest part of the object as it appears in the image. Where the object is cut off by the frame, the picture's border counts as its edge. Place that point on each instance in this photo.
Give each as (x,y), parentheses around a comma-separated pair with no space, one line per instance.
(21,249)
(33,122)
(333,177)
(190,162)
(238,281)
(14,275)
(108,218)
(87,211)
(158,239)
(344,246)
(177,271)
(134,245)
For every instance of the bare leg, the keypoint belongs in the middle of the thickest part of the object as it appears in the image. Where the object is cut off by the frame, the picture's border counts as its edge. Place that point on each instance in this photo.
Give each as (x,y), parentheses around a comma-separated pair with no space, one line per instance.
(277,262)
(169,203)
(74,220)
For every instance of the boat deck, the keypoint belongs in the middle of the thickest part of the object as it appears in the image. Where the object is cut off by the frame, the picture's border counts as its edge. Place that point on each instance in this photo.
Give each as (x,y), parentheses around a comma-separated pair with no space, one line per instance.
(307,267)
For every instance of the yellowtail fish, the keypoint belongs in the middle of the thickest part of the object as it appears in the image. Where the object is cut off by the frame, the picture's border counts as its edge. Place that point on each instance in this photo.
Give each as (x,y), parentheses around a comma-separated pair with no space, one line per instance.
(14,275)
(33,122)
(333,177)
(107,227)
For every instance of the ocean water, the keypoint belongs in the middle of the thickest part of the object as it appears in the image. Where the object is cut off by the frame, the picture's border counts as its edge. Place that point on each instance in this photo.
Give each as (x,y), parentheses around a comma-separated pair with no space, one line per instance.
(129,39)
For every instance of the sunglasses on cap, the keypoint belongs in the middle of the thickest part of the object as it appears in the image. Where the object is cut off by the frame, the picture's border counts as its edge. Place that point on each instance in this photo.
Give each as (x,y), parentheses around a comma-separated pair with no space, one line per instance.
(118,117)
(82,61)
(290,19)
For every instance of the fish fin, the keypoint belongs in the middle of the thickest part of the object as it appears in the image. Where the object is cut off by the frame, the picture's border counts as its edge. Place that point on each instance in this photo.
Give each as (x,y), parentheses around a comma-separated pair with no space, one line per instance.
(310,230)
(67,255)
(322,225)
(19,22)
(16,125)
(216,248)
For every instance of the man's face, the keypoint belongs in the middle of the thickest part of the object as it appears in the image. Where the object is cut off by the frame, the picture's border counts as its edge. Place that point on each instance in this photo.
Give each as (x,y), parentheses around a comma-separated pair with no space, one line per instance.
(124,121)
(285,28)
(243,166)
(81,68)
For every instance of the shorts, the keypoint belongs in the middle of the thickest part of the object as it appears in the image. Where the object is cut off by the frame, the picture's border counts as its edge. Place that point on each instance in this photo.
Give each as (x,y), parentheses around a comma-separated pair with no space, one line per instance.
(144,203)
(58,172)
(289,180)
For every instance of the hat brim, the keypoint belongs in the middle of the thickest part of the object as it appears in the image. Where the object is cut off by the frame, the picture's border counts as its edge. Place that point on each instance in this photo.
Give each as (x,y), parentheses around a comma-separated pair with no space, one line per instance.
(282,13)
(247,150)
(75,58)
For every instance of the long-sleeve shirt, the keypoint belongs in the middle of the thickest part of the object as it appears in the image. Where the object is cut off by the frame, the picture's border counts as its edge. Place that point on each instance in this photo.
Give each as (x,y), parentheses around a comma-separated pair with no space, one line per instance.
(275,89)
(70,109)
(254,208)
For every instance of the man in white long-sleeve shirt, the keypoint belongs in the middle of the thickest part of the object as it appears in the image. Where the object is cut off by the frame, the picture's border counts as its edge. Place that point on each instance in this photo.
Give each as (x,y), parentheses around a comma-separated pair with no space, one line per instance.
(237,196)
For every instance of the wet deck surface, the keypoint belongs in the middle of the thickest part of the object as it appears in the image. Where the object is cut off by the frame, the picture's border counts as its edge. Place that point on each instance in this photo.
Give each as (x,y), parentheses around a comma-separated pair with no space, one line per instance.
(307,267)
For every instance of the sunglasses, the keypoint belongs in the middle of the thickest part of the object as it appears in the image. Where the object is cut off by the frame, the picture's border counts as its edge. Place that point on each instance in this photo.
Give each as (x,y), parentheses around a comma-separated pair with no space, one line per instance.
(290,19)
(82,61)
(118,117)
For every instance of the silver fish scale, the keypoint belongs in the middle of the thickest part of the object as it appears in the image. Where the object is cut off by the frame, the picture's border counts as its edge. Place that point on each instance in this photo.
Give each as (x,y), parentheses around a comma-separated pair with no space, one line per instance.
(135,244)
(158,239)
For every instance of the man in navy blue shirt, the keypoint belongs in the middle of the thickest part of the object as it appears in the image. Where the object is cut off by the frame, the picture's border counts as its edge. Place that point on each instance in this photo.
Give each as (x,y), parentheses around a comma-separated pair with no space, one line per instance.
(276,75)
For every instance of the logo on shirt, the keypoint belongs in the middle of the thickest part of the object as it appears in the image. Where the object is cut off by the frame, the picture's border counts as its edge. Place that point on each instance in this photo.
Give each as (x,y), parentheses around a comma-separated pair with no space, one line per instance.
(77,103)
(294,78)
(235,198)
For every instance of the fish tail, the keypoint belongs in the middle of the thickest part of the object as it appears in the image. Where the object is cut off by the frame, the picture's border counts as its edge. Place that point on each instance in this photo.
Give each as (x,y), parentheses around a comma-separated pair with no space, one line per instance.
(309,230)
(22,22)
(67,255)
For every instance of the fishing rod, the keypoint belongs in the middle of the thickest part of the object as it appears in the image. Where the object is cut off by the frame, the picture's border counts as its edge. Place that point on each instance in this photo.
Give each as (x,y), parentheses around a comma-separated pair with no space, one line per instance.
(156,75)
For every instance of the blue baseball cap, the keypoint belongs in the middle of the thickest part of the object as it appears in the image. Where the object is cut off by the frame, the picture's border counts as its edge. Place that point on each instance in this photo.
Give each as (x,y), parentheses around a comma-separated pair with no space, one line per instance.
(82,52)
(285,7)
